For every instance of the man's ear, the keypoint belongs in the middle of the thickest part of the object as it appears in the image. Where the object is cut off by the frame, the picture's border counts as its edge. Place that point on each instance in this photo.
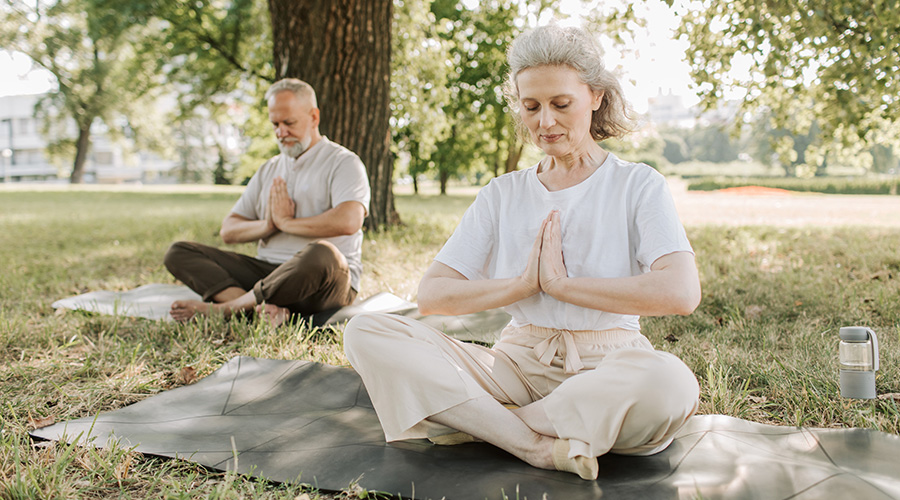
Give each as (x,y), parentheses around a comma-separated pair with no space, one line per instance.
(314,112)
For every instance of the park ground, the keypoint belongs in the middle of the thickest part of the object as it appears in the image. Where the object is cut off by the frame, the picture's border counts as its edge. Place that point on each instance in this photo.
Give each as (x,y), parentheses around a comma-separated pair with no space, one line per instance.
(781,273)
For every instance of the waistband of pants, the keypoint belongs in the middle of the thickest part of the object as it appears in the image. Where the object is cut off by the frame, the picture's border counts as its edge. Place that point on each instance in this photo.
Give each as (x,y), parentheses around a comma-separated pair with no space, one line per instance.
(612,336)
(561,342)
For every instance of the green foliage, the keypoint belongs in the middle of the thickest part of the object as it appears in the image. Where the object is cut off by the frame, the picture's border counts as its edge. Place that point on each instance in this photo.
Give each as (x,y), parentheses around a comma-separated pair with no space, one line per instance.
(830,185)
(675,149)
(106,67)
(479,133)
(416,96)
(220,61)
(710,143)
(831,65)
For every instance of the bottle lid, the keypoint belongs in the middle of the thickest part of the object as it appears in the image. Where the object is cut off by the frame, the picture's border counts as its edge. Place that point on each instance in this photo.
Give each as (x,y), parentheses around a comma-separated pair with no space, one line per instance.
(854,333)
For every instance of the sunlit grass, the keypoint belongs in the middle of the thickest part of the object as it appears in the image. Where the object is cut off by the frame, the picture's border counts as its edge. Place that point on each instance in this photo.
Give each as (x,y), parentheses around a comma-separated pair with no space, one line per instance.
(763,342)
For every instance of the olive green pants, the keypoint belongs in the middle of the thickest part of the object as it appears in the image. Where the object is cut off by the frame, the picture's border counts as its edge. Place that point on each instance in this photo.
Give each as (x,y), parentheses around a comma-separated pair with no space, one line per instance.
(315,279)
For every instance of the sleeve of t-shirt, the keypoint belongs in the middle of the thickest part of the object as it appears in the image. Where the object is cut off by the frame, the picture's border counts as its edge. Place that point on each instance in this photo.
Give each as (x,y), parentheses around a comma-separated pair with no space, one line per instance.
(350,182)
(247,204)
(658,227)
(469,248)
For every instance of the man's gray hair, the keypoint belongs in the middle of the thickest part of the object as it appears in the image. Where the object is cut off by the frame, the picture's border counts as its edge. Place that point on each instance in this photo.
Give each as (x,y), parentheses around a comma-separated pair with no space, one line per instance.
(573,47)
(300,89)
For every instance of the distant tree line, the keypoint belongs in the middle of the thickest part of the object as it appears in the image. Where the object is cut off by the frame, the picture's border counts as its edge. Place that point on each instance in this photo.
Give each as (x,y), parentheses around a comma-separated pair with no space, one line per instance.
(416,85)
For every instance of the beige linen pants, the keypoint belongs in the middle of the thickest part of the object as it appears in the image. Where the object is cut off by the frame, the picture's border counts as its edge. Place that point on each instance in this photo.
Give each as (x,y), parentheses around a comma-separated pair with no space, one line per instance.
(603,390)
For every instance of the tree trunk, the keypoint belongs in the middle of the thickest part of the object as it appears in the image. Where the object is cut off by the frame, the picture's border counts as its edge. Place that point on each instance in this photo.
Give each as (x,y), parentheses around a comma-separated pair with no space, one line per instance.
(822,168)
(444,176)
(514,152)
(82,147)
(342,48)
(219,174)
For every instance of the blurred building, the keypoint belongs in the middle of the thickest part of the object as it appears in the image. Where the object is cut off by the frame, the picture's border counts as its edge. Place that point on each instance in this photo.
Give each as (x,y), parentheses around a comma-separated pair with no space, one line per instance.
(669,110)
(23,152)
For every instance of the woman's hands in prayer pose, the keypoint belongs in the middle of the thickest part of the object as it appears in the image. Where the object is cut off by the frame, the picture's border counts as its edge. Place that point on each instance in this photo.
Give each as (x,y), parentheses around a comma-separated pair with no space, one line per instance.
(546,265)
(552,262)
(531,276)
(671,287)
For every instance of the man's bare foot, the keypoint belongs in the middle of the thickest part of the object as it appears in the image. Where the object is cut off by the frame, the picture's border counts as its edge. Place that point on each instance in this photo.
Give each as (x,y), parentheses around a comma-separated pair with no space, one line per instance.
(183,310)
(275,315)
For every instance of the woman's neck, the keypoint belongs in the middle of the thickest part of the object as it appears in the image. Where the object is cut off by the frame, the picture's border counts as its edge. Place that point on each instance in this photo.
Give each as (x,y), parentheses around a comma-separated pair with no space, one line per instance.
(561,172)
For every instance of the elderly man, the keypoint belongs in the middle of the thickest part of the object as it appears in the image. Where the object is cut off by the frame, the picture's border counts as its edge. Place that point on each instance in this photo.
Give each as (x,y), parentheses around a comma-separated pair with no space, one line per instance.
(305,207)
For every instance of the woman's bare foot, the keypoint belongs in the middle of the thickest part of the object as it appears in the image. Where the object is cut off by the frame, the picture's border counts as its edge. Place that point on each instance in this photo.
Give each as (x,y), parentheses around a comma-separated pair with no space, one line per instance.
(275,315)
(183,310)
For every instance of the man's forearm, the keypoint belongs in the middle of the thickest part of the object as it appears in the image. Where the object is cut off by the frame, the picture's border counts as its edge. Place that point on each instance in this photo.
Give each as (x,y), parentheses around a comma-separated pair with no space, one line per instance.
(239,230)
(344,219)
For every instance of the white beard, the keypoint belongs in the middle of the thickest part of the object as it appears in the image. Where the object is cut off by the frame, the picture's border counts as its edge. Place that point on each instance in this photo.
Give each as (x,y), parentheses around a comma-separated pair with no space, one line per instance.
(296,148)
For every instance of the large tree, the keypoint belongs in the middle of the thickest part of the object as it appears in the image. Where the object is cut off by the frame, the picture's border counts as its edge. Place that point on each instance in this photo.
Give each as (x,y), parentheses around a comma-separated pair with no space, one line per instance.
(831,67)
(105,64)
(343,49)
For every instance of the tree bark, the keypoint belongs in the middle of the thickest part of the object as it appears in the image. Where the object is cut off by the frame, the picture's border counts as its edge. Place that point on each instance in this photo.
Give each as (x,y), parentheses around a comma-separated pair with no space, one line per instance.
(514,152)
(443,176)
(342,48)
(82,147)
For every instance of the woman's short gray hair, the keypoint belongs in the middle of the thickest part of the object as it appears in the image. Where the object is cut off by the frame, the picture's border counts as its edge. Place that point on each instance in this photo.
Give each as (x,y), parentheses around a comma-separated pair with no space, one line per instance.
(300,89)
(574,47)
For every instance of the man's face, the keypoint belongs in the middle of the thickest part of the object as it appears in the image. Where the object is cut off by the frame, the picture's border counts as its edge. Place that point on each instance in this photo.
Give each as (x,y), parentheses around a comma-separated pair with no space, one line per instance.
(294,120)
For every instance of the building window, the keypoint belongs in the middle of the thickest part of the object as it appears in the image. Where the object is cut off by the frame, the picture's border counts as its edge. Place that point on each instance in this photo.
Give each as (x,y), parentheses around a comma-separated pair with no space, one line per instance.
(24,126)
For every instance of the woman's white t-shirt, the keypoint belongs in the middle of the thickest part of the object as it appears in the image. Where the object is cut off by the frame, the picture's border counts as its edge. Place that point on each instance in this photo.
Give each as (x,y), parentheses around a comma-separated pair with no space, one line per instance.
(614,224)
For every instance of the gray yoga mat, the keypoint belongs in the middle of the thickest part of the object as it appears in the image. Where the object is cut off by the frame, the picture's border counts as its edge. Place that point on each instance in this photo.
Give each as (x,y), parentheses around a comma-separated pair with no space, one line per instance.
(298,421)
(154,300)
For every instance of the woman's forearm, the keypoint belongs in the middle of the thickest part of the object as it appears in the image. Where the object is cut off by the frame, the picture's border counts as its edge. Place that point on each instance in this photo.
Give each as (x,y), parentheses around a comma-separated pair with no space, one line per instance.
(671,287)
(441,294)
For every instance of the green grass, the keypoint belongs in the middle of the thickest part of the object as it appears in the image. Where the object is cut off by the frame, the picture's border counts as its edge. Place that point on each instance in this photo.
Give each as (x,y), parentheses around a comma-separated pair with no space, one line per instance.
(830,185)
(763,342)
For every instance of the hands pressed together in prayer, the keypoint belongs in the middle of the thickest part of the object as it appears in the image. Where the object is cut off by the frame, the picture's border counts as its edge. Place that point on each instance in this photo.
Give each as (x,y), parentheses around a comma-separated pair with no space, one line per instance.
(546,266)
(280,208)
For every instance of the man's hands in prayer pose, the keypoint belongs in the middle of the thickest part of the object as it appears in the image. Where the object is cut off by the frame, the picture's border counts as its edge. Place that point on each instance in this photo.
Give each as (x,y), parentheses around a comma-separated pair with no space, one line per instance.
(281,208)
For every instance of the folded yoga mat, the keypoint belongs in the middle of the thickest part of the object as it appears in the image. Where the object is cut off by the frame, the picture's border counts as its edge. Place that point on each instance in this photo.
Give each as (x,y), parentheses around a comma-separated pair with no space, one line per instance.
(298,421)
(148,301)
(153,302)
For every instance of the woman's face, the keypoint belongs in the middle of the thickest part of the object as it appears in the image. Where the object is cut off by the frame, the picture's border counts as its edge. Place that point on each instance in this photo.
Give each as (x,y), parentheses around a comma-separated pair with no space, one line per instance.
(556,107)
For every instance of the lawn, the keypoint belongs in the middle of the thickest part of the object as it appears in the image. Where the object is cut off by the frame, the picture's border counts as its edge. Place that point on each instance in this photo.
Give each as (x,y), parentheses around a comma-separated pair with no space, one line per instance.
(763,342)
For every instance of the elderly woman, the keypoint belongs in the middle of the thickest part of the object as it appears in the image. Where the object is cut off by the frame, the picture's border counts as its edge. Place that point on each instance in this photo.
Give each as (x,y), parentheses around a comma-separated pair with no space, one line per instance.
(575,248)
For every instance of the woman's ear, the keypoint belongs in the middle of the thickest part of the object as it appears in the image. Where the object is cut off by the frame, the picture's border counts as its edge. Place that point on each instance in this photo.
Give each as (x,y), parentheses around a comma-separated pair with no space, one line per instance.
(598,99)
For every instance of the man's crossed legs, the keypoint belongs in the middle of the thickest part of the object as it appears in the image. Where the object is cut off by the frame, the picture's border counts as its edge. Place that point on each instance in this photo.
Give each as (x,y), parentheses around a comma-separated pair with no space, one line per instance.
(314,279)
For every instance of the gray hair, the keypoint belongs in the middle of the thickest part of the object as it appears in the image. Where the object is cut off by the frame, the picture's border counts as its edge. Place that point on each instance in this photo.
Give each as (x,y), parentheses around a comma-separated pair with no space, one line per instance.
(573,47)
(300,89)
